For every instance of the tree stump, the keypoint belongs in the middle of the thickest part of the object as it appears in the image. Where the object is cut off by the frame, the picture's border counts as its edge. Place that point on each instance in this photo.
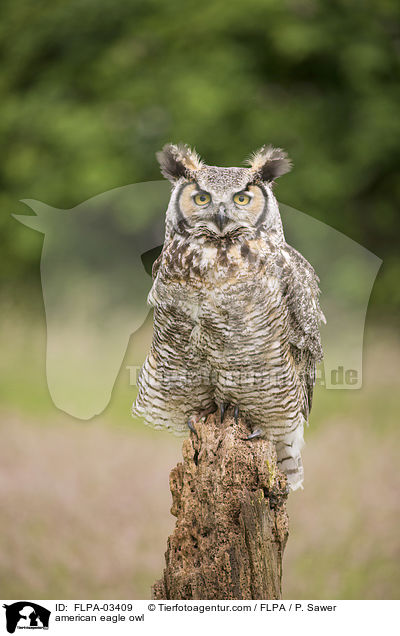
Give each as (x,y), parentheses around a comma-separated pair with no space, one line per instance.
(230,502)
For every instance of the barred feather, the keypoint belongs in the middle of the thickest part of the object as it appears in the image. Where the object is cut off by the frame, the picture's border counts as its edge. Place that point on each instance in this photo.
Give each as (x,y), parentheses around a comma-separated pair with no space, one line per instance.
(235,321)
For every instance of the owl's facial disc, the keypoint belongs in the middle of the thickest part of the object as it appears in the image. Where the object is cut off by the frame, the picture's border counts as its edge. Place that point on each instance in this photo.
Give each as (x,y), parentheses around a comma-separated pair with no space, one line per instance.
(219,213)
(250,203)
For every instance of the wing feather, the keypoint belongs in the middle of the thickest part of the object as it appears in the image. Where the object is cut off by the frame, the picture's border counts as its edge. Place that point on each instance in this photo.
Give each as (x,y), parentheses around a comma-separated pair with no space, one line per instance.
(301,293)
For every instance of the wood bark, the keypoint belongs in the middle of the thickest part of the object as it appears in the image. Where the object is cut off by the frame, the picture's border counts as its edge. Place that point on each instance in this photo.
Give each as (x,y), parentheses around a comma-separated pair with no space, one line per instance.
(229,499)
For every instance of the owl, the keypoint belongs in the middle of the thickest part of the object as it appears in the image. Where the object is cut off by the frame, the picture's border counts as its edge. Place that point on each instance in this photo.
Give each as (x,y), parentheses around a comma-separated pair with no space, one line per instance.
(236,309)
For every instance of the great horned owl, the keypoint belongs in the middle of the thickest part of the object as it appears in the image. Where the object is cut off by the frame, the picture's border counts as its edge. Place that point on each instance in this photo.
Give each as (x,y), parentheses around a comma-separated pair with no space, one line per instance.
(236,311)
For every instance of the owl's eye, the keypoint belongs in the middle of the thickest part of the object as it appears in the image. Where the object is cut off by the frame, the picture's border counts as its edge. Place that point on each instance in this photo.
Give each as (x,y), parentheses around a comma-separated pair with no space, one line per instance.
(241,198)
(202,198)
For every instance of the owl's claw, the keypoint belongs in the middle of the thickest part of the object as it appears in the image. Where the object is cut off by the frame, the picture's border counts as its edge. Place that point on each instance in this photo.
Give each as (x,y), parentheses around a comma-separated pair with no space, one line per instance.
(222,409)
(236,414)
(256,433)
(192,427)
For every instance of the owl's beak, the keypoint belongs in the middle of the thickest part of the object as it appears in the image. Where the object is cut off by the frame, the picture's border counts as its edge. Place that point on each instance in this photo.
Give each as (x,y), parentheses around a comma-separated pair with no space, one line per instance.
(220,218)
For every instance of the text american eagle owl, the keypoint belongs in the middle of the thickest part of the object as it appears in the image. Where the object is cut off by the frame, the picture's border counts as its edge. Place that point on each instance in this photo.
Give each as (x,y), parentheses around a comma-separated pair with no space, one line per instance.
(236,311)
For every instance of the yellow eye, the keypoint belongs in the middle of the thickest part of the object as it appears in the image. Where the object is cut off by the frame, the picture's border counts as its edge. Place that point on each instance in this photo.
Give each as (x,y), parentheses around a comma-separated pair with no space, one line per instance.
(241,198)
(202,198)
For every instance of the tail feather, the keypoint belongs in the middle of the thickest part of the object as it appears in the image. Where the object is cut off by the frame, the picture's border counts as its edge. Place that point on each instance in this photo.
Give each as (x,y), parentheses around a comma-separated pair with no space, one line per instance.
(289,458)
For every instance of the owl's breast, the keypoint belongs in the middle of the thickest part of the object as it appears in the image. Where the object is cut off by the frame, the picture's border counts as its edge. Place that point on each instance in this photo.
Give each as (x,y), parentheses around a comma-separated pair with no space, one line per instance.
(227,289)
(210,261)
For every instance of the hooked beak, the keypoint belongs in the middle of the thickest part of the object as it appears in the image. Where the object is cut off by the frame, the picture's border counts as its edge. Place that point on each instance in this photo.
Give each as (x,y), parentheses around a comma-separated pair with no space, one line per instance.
(220,218)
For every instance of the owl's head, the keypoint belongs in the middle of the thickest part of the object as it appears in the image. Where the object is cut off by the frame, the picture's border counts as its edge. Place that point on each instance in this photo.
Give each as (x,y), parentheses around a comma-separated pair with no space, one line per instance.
(222,203)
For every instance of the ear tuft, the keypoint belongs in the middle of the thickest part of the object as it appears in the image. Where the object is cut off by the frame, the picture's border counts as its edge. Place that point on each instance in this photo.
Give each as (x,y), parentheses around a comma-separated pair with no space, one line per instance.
(178,160)
(269,163)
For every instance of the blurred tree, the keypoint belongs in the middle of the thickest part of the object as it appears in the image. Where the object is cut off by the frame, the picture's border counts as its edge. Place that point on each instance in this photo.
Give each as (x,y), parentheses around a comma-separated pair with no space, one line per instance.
(91,89)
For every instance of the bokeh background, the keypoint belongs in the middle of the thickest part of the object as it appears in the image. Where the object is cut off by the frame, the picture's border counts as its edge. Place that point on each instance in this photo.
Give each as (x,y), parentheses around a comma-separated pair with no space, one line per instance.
(89,91)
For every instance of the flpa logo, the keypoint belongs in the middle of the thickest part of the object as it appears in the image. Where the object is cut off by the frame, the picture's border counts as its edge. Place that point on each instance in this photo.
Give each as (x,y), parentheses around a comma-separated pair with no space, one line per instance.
(26,615)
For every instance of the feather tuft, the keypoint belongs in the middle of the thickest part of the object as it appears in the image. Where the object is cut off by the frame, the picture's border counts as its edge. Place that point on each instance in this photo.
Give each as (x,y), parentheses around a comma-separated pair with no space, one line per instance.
(269,163)
(178,160)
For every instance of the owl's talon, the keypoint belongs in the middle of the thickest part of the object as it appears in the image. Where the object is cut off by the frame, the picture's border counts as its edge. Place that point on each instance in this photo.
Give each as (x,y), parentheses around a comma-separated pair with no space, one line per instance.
(253,435)
(192,427)
(236,414)
(222,408)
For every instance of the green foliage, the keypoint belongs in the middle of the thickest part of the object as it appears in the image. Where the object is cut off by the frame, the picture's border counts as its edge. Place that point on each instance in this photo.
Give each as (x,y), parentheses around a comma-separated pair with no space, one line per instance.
(91,89)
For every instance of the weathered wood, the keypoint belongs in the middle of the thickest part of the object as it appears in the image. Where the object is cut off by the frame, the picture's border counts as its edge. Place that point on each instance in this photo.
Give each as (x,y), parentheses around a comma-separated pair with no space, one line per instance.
(230,502)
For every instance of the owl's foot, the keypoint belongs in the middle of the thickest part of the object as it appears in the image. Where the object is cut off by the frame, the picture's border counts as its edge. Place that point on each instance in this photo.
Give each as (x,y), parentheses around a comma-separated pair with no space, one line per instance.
(191,425)
(195,419)
(256,433)
(222,408)
(208,411)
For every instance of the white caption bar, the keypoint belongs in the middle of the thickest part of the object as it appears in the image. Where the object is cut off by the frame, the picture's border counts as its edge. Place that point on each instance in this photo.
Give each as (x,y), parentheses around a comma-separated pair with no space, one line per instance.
(195,617)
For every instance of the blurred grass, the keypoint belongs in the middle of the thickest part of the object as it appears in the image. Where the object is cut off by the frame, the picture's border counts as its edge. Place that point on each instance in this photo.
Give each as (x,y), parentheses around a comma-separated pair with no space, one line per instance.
(86,504)
(85,508)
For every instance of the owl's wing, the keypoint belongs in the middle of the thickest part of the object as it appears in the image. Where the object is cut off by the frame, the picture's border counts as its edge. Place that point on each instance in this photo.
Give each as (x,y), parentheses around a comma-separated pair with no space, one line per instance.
(156,266)
(301,292)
